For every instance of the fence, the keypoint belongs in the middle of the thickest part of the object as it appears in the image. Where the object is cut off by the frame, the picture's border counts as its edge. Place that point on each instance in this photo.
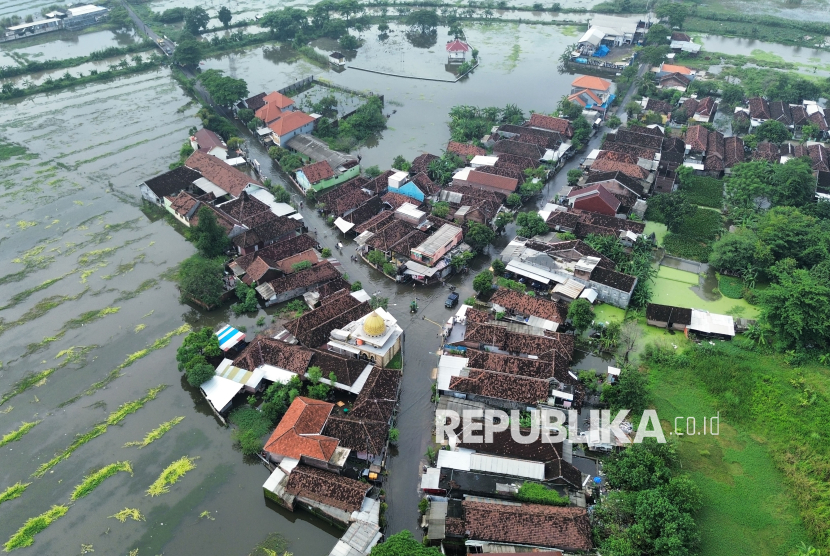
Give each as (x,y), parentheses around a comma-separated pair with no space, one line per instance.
(684,264)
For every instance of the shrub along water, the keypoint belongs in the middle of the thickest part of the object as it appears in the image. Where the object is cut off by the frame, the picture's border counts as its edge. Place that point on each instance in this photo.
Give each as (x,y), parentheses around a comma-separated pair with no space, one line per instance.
(171,474)
(25,536)
(92,480)
(156,433)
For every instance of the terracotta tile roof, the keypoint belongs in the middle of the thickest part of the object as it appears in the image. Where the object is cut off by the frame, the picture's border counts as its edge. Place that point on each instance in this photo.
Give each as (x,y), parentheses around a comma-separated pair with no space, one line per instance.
(596,190)
(426,185)
(389,235)
(347,370)
(682,37)
(170,183)
(629,149)
(278,99)
(650,130)
(380,184)
(321,315)
(591,82)
(610,221)
(502,386)
(465,149)
(584,98)
(421,163)
(267,231)
(715,152)
(257,269)
(268,351)
(269,113)
(347,202)
(554,138)
(317,274)
(781,112)
(289,121)
(187,206)
(617,178)
(375,223)
(278,251)
(344,189)
(317,172)
(207,140)
(545,347)
(675,80)
(365,211)
(504,169)
(635,136)
(560,218)
(675,69)
(286,264)
(690,106)
(358,435)
(528,524)
(468,193)
(247,209)
(395,200)
(327,488)
(509,146)
(539,140)
(697,137)
(519,303)
(734,151)
(629,169)
(818,119)
(798,113)
(659,106)
(524,366)
(706,107)
(377,399)
(491,180)
(558,125)
(330,288)
(411,240)
(298,433)
(219,173)
(759,108)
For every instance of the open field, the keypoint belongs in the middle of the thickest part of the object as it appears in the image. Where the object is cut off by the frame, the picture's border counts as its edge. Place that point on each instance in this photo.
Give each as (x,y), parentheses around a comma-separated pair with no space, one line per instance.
(682,289)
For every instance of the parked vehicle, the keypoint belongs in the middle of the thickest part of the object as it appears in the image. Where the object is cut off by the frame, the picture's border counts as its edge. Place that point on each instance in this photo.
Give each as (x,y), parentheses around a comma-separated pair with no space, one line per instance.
(451,301)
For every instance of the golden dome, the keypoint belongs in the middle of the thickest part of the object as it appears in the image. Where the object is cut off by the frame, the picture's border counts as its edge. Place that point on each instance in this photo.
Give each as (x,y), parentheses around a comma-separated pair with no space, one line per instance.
(374,325)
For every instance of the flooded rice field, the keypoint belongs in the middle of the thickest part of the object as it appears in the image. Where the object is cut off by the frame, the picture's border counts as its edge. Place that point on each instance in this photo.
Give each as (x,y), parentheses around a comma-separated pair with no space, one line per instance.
(91,319)
(66,45)
(518,66)
(810,58)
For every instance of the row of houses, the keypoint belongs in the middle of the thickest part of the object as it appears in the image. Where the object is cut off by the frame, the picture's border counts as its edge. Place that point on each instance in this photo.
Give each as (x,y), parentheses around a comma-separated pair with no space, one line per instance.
(792,116)
(512,358)
(72,19)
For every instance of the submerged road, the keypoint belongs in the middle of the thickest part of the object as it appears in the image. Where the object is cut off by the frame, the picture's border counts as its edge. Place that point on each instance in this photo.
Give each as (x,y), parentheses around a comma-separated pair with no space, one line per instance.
(163,43)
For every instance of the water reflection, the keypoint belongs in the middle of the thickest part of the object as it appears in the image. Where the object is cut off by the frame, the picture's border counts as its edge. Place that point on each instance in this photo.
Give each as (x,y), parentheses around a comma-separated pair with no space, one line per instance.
(422,40)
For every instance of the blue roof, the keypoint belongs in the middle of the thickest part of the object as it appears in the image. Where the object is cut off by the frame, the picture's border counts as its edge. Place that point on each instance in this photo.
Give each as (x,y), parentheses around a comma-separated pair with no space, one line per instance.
(229,337)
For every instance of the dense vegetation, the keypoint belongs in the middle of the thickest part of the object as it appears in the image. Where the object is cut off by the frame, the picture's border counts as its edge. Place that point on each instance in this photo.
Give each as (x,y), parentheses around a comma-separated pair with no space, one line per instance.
(367,121)
(692,230)
(701,190)
(637,263)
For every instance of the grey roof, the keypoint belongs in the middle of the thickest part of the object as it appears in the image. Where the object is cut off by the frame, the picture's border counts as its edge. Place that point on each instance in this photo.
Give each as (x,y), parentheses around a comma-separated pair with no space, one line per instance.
(317,150)
(439,239)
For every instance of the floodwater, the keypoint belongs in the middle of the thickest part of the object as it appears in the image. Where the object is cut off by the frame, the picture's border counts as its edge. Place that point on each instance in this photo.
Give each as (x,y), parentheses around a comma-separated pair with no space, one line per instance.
(71,214)
(518,66)
(746,47)
(69,45)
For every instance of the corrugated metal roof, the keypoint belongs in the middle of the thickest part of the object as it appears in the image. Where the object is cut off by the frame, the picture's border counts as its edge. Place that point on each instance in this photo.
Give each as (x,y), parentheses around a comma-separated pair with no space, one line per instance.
(532,272)
(507,466)
(454,460)
(712,323)
(571,289)
(448,367)
(444,235)
(437,519)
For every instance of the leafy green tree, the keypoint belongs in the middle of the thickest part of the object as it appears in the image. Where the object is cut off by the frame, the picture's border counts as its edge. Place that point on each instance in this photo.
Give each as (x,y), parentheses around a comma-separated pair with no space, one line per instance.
(372,171)
(423,21)
(734,252)
(479,236)
(224,90)
(793,183)
(503,219)
(581,314)
(731,94)
(356,286)
(531,224)
(569,109)
(498,267)
(200,373)
(196,20)
(348,8)
(773,131)
(400,163)
(810,131)
(642,466)
(574,176)
(614,121)
(441,209)
(285,24)
(403,543)
(201,279)
(246,115)
(225,16)
(513,200)
(199,343)
(658,34)
(797,309)
(349,42)
(633,108)
(209,237)
(483,281)
(673,12)
(246,295)
(460,261)
(630,392)
(376,257)
(188,52)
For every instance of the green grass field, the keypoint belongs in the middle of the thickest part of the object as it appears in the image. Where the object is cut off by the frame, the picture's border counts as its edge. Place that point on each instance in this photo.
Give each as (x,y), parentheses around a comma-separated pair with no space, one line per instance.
(746,506)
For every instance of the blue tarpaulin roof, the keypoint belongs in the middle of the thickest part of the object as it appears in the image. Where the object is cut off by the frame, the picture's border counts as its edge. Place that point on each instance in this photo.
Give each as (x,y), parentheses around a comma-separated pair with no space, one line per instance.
(229,337)
(601,51)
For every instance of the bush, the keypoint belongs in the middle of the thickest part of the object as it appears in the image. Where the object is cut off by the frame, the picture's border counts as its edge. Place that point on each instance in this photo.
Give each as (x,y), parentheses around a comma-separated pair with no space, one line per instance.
(389,269)
(498,267)
(356,286)
(394,434)
(704,191)
(199,373)
(731,287)
(326,252)
(686,247)
(471,301)
(535,493)
(483,281)
(247,299)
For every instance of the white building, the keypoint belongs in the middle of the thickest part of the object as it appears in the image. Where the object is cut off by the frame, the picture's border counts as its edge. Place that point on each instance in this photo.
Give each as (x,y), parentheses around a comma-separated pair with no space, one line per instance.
(375,338)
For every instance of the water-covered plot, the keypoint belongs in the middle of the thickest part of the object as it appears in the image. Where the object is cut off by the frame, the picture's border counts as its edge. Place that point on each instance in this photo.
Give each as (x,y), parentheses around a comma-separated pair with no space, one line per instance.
(65,45)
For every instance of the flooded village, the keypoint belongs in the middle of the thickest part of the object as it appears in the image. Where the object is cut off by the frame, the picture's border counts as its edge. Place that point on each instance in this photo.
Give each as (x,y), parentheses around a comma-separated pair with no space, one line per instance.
(259,259)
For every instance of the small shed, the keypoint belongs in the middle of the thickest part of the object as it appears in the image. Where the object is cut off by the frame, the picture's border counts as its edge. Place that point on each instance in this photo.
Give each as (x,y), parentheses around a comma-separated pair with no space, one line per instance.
(229,337)
(337,59)
(220,392)
(409,213)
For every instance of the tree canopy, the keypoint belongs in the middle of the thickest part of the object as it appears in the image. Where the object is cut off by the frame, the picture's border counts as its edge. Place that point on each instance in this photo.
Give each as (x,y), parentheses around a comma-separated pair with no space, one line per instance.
(225,16)
(581,314)
(201,279)
(196,20)
(188,51)
(403,543)
(531,224)
(483,281)
(209,237)
(479,236)
(773,131)
(224,90)
(424,21)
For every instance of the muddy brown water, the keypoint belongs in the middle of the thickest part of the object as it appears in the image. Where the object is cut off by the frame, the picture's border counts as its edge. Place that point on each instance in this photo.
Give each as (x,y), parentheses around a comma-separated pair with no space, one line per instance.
(71,211)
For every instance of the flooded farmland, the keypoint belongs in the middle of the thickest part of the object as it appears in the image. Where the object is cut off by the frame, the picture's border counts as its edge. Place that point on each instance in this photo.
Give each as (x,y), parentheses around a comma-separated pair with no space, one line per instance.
(91,319)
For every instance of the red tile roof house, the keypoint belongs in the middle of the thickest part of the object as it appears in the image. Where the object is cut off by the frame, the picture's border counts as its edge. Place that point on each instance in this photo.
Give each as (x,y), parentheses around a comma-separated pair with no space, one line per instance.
(336,496)
(550,123)
(465,150)
(299,436)
(289,125)
(294,285)
(610,161)
(503,390)
(697,140)
(275,105)
(168,184)
(705,110)
(210,143)
(219,174)
(272,254)
(527,525)
(482,180)
(594,198)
